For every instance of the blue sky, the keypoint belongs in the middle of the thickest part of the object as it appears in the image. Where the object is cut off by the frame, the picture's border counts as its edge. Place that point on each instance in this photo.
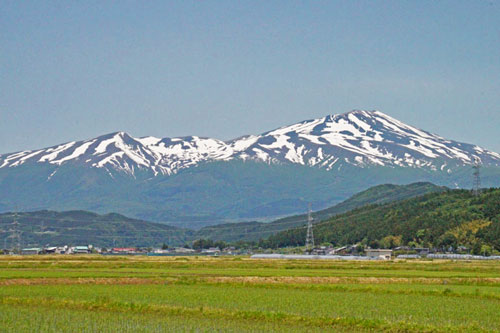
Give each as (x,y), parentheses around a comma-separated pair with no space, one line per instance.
(74,70)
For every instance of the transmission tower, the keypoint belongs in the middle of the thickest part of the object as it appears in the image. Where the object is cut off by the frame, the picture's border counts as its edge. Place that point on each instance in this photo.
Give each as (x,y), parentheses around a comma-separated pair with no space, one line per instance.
(16,233)
(310,235)
(476,184)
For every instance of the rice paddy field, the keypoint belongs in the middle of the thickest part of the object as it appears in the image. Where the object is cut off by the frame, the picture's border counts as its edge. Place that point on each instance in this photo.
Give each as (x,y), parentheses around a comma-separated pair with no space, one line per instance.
(238,294)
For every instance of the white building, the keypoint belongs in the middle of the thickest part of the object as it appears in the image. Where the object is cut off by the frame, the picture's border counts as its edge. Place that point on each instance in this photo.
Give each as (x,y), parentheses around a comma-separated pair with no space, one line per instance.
(183,250)
(31,250)
(384,254)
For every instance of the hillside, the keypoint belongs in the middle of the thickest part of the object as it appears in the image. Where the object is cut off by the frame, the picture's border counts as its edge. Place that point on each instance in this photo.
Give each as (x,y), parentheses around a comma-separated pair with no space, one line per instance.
(450,218)
(82,228)
(252,231)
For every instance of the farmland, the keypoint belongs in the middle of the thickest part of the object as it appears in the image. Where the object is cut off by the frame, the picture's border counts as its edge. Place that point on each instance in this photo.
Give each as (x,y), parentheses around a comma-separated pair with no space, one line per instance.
(235,294)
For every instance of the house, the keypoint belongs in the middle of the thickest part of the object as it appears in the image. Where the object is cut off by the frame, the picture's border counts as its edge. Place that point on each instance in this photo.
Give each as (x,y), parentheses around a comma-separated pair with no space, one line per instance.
(124,250)
(211,250)
(338,250)
(31,251)
(62,249)
(81,250)
(50,250)
(183,250)
(423,251)
(322,250)
(384,254)
(229,249)
(161,251)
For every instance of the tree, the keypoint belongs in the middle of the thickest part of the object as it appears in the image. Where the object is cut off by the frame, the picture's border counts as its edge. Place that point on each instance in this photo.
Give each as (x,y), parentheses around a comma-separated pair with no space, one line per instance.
(476,248)
(420,235)
(220,244)
(390,242)
(486,250)
(447,240)
(413,244)
(202,244)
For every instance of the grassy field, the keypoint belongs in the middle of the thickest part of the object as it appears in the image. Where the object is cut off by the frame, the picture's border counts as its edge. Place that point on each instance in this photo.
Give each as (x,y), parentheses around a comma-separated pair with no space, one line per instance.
(158,294)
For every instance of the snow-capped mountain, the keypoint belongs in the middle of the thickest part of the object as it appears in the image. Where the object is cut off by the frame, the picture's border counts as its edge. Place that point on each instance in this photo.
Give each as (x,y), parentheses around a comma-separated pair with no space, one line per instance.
(197,181)
(121,152)
(359,138)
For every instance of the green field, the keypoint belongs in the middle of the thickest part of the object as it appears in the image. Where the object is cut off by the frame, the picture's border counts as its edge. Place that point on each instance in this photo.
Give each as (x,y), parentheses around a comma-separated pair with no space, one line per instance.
(157,294)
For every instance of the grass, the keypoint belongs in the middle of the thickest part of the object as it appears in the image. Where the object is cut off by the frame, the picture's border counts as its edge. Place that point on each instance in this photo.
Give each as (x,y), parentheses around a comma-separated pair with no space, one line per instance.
(130,294)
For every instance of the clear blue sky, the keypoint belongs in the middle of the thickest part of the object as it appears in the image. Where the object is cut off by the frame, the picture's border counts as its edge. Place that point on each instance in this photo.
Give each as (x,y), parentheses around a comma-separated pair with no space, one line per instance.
(78,69)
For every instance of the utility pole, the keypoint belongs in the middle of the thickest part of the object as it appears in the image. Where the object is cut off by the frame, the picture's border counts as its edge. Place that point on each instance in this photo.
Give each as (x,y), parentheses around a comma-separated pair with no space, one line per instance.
(476,184)
(310,235)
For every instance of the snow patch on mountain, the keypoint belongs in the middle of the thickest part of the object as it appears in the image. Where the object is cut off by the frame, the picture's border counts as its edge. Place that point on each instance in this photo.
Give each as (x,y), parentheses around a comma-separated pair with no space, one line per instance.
(360,138)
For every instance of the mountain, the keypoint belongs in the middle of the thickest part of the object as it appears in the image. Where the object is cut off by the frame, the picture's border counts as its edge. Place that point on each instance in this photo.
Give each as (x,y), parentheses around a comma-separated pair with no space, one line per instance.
(442,219)
(253,231)
(360,138)
(194,182)
(81,228)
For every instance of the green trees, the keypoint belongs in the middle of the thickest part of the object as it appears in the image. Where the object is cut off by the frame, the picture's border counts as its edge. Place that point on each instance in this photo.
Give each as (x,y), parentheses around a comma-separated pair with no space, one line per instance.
(452,218)
(390,242)
(447,240)
(200,244)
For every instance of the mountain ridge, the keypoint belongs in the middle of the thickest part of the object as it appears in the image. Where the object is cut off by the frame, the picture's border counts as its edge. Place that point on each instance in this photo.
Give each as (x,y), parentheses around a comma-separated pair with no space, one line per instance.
(78,227)
(360,138)
(85,227)
(380,194)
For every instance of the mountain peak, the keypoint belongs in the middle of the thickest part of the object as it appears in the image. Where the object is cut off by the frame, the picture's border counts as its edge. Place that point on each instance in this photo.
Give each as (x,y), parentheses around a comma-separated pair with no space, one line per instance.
(363,138)
(361,111)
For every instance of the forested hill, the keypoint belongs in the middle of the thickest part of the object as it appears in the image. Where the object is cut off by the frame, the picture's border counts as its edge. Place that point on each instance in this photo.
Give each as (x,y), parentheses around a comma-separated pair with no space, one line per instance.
(252,231)
(81,228)
(451,218)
